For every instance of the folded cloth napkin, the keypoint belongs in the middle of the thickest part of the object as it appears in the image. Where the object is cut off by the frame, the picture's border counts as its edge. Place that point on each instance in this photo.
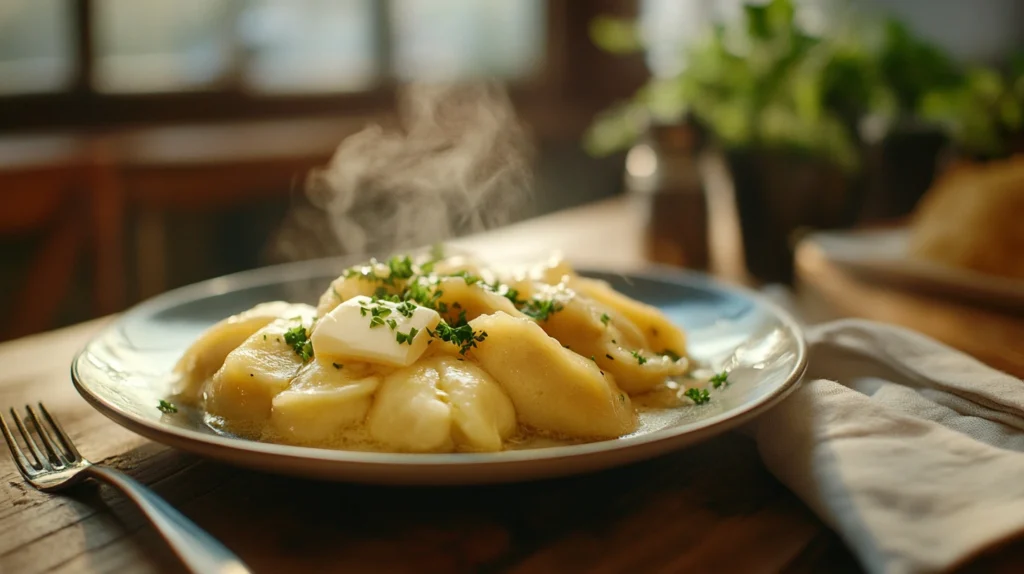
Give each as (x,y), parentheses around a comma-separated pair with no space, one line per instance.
(912,451)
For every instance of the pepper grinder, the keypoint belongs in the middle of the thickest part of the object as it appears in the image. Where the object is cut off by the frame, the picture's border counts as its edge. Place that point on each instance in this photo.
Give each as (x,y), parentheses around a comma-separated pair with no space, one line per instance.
(663,178)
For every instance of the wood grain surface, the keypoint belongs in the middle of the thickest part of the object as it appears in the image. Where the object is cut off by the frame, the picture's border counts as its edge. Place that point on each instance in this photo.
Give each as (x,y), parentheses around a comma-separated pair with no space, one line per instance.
(709,508)
(689,512)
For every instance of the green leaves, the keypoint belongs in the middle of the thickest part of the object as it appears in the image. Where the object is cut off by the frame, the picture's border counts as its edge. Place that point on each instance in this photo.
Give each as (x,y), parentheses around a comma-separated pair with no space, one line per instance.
(983,113)
(763,82)
(615,35)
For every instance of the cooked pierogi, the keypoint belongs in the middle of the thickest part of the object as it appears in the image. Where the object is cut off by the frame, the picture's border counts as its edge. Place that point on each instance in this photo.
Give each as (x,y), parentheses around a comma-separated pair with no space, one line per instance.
(431,354)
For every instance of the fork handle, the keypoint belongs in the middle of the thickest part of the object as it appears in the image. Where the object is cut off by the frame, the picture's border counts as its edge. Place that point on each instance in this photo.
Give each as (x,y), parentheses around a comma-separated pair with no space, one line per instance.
(200,552)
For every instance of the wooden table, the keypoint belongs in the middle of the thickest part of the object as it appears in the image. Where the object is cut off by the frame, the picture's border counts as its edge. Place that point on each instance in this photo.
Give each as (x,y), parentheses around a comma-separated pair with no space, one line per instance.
(712,507)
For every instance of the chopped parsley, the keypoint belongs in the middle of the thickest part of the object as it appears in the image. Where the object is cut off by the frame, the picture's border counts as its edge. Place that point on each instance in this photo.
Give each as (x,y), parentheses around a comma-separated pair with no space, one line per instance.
(406,337)
(698,396)
(406,308)
(421,294)
(166,407)
(719,379)
(392,324)
(592,358)
(463,335)
(605,318)
(670,354)
(466,276)
(378,314)
(364,272)
(506,292)
(640,359)
(400,268)
(541,309)
(298,339)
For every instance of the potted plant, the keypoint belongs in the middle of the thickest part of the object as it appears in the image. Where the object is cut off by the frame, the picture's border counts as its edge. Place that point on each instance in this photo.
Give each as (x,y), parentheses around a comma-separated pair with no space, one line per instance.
(983,112)
(786,109)
(901,148)
(782,108)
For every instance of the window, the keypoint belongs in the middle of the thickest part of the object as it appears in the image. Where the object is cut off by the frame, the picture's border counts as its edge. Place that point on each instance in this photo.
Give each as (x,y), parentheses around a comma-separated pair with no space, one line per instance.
(267,47)
(442,39)
(35,52)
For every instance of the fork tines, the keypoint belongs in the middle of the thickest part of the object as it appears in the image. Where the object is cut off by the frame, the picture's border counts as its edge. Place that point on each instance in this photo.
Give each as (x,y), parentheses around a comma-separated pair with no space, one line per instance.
(57,452)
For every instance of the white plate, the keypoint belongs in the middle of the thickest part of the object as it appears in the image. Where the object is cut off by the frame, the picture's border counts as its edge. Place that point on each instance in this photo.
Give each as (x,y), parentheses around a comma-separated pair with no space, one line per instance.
(882,256)
(123,374)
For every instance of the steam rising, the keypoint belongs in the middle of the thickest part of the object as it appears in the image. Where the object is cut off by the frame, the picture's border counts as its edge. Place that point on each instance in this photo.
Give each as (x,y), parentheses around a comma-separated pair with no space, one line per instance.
(458,164)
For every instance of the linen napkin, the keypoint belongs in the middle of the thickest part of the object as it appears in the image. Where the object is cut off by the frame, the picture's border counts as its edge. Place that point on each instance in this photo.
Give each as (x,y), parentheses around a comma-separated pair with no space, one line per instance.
(912,451)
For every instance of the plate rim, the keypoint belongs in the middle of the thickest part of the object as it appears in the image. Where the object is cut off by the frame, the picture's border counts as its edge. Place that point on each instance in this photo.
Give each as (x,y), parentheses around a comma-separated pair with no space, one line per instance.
(198,442)
(920,271)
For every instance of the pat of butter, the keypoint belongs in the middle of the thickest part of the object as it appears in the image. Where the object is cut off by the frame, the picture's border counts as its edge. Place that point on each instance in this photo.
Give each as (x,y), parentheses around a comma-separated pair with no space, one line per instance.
(346,332)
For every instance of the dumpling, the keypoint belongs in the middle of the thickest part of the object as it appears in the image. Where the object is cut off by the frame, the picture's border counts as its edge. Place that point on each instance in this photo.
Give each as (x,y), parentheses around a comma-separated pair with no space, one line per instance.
(207,353)
(617,346)
(462,264)
(457,295)
(322,400)
(441,404)
(660,334)
(482,414)
(553,389)
(346,287)
(527,280)
(254,373)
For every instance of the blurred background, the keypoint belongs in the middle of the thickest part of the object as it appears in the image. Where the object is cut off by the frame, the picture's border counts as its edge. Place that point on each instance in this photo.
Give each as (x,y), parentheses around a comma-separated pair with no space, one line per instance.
(147,144)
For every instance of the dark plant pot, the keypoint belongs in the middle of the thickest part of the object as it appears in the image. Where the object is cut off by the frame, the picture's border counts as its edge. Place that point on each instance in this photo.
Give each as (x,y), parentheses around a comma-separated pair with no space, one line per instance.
(899,169)
(779,196)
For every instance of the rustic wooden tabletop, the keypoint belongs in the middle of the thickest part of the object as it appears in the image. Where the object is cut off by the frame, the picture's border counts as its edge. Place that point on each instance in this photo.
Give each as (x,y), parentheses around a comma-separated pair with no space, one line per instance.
(710,508)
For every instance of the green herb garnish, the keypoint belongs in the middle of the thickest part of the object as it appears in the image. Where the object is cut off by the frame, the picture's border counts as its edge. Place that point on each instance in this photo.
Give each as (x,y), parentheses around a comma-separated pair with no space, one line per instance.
(719,379)
(400,268)
(670,354)
(166,407)
(640,359)
(541,309)
(406,337)
(466,276)
(605,318)
(462,335)
(698,396)
(298,339)
(406,308)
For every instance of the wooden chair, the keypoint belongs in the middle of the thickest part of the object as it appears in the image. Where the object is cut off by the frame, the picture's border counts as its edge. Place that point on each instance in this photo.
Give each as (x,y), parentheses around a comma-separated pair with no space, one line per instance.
(194,170)
(58,189)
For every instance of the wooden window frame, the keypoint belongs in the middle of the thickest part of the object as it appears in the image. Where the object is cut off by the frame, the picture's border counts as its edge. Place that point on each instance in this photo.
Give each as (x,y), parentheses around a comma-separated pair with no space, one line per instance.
(568,59)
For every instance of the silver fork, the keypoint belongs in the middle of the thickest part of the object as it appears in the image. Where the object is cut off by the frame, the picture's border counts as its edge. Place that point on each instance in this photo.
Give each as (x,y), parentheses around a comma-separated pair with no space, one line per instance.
(58,465)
